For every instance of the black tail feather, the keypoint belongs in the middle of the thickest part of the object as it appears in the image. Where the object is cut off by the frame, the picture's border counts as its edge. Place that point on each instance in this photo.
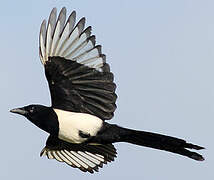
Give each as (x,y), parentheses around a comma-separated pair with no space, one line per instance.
(113,133)
(193,146)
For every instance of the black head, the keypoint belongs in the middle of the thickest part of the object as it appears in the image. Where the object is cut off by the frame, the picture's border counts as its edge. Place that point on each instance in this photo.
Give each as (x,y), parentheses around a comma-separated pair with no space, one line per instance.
(32,112)
(42,116)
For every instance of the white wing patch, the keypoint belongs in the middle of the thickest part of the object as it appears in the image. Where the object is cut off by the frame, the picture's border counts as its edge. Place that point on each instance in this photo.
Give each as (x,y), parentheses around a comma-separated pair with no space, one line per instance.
(69,41)
(82,159)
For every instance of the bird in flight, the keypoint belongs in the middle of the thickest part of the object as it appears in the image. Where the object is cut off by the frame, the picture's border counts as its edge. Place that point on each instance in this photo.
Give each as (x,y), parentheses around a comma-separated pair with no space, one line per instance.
(83,98)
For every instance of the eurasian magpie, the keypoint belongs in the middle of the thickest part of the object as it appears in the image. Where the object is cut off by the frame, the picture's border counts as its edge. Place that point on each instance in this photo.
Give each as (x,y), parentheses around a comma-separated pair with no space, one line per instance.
(83,97)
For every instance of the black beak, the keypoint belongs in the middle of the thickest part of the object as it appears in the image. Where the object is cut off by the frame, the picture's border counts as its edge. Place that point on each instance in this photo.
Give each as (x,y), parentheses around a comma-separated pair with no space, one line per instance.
(20,111)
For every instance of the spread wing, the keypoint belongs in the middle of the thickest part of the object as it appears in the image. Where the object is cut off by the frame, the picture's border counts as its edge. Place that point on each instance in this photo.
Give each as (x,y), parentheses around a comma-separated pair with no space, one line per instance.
(87,158)
(79,77)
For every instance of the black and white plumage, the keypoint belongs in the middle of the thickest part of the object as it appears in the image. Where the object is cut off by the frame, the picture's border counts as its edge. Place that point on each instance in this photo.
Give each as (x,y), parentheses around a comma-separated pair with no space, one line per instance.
(69,50)
(83,97)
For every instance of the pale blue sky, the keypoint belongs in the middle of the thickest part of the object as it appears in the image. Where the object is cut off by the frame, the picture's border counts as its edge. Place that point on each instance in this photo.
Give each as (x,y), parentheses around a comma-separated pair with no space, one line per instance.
(162,55)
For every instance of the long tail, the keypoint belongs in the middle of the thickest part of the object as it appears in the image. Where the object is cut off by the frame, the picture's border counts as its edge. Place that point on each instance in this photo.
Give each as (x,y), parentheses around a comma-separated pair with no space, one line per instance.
(113,133)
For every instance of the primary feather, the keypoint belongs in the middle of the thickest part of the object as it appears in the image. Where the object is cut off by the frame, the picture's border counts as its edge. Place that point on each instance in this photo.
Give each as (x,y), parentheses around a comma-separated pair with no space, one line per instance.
(83,96)
(79,77)
(85,157)
(69,41)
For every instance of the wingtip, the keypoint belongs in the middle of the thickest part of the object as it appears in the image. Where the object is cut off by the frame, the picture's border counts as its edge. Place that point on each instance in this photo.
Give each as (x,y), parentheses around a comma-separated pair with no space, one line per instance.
(63,8)
(62,12)
(81,24)
(54,10)
(52,17)
(43,152)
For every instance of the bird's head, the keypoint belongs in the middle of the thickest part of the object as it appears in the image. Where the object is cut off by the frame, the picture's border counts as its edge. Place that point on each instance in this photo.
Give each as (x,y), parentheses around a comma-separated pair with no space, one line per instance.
(32,112)
(42,116)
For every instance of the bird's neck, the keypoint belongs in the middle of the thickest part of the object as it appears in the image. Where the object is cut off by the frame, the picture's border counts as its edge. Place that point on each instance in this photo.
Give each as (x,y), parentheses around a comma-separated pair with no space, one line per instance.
(47,120)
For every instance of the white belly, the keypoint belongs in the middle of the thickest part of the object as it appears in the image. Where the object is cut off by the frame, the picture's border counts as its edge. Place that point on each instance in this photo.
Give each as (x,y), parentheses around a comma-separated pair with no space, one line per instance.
(70,123)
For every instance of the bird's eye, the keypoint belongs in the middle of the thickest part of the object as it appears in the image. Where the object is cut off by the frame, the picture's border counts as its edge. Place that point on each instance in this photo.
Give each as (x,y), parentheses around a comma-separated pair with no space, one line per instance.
(32,109)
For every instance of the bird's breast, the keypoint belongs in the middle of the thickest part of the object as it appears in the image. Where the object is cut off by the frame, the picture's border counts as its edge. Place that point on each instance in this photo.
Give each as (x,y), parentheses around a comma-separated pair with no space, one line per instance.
(73,125)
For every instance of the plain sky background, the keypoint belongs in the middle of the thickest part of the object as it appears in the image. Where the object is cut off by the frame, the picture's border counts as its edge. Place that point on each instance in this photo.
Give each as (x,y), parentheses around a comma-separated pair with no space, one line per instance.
(162,55)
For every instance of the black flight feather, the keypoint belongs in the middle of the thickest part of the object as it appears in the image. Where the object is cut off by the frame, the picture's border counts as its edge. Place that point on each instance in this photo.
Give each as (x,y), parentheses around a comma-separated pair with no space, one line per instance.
(78,88)
(80,81)
(83,156)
